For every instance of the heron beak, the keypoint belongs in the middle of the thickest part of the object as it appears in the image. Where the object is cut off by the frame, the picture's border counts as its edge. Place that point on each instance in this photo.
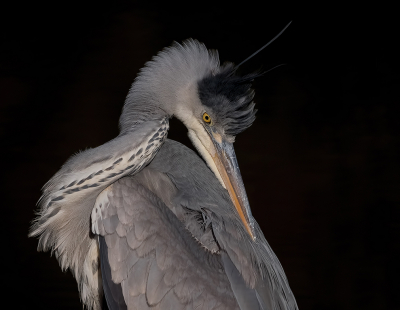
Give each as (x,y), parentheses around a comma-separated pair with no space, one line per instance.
(224,158)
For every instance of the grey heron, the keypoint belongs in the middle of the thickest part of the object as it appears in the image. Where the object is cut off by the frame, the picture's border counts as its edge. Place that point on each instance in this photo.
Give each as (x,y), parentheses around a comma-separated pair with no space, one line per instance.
(145,220)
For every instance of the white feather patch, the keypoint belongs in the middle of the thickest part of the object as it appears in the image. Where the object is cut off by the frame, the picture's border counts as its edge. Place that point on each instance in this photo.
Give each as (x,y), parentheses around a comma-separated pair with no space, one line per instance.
(206,155)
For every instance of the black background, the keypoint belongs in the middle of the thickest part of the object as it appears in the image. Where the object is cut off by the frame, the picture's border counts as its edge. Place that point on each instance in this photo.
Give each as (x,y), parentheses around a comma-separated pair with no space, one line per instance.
(320,164)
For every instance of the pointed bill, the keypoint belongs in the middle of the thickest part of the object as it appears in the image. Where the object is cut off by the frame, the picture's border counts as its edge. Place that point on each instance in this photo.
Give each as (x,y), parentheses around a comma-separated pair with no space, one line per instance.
(224,158)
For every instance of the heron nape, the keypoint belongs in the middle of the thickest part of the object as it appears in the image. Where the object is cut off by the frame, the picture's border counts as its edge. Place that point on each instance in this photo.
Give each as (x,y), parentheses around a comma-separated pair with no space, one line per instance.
(145,220)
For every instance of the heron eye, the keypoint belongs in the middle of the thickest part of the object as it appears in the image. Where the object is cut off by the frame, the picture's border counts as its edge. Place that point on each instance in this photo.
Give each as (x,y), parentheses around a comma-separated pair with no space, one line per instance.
(206,118)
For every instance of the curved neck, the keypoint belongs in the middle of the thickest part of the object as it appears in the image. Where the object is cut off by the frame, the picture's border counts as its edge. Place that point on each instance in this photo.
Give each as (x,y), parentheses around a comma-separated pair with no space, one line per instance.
(139,113)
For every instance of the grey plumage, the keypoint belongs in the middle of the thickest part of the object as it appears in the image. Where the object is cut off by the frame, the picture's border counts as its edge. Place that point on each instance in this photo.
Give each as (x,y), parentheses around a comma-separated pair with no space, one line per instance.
(113,291)
(175,232)
(141,230)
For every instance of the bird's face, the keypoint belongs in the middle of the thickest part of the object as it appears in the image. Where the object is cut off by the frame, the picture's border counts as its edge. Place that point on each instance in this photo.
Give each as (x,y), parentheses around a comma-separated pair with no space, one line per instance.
(222,109)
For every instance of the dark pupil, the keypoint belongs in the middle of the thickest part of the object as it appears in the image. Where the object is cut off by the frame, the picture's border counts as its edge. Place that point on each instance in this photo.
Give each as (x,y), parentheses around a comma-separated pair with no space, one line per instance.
(207,118)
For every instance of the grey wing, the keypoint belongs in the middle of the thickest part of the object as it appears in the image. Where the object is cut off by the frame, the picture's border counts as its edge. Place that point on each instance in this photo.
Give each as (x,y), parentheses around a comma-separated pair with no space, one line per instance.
(271,292)
(151,255)
(245,296)
(256,276)
(112,291)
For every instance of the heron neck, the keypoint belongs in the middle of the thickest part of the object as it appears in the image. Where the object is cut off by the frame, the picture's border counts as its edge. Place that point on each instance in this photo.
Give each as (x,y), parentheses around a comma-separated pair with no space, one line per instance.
(139,113)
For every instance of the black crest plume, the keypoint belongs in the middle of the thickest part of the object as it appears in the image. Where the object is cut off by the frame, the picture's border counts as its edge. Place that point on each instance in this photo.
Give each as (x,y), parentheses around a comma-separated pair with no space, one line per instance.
(259,50)
(230,96)
(230,99)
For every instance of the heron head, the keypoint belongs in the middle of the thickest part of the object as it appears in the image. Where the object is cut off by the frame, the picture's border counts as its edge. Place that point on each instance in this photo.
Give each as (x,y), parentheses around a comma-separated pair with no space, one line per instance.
(222,109)
(214,103)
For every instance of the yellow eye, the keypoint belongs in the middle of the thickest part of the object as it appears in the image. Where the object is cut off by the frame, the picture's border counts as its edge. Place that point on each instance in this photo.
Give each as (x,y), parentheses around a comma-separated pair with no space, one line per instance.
(206,118)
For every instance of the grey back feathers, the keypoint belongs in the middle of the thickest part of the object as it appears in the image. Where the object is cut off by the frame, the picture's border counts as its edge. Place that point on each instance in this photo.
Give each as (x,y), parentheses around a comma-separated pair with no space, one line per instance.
(199,190)
(154,258)
(137,226)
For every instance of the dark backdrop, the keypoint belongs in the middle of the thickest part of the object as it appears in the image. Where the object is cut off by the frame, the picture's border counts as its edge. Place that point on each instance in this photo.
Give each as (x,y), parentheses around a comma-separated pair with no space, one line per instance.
(320,164)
